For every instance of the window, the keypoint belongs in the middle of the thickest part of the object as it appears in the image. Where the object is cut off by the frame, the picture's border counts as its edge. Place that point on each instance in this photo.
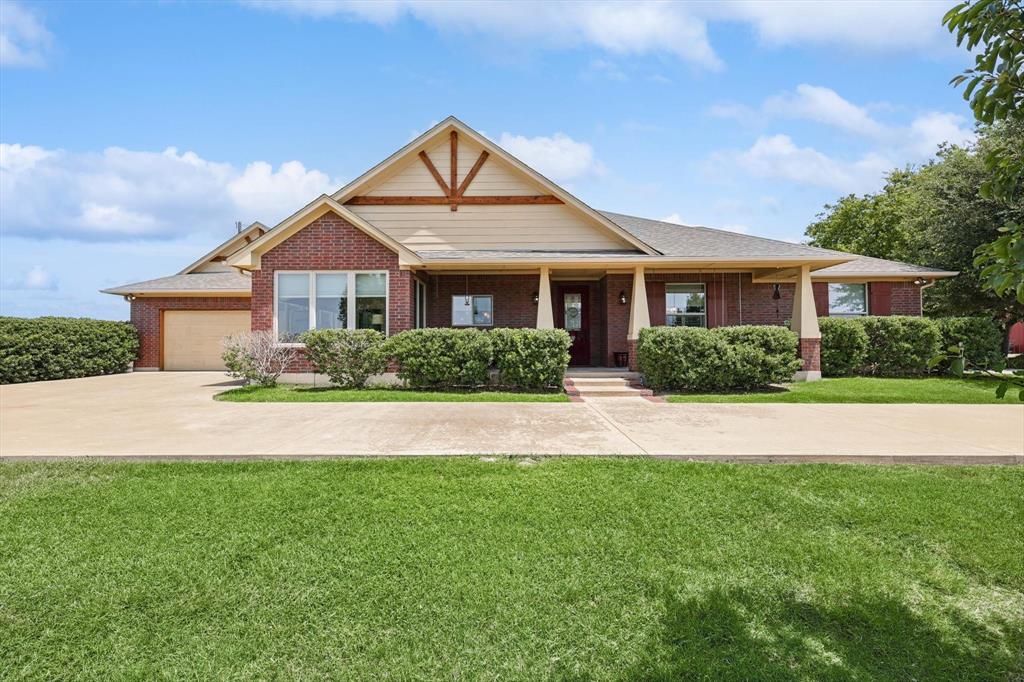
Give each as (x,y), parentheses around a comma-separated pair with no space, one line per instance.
(329,300)
(472,311)
(685,305)
(420,303)
(847,300)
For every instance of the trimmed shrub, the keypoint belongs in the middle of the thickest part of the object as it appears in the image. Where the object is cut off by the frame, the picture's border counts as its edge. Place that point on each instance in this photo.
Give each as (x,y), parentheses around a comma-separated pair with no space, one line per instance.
(899,345)
(684,358)
(762,355)
(441,358)
(257,357)
(531,358)
(348,356)
(1015,362)
(982,339)
(45,348)
(844,346)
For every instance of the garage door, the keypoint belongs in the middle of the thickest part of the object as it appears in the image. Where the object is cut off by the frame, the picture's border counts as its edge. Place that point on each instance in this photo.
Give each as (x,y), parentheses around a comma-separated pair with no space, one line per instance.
(192,338)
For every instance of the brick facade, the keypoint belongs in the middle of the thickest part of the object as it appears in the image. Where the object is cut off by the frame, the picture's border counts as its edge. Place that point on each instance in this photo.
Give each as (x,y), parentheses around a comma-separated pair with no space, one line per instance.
(809,351)
(331,243)
(146,316)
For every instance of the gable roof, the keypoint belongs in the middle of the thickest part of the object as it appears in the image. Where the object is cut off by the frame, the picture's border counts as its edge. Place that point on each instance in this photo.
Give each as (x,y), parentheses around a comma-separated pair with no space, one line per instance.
(248,257)
(867,267)
(228,246)
(451,123)
(231,283)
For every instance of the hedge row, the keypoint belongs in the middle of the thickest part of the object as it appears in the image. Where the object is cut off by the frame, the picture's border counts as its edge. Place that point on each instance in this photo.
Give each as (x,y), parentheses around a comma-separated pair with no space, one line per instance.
(720,359)
(43,348)
(902,346)
(443,358)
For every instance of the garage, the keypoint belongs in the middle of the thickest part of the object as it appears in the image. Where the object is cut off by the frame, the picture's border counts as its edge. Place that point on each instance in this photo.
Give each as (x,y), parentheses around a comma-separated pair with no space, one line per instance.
(192,338)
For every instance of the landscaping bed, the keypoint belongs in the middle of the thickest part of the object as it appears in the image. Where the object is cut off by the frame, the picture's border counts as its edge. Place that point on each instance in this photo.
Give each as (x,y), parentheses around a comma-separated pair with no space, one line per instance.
(864,390)
(557,569)
(311,394)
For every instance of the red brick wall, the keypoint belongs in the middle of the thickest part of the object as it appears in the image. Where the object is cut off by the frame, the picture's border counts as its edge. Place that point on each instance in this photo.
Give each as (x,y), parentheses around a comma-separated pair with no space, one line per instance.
(145,315)
(331,243)
(905,298)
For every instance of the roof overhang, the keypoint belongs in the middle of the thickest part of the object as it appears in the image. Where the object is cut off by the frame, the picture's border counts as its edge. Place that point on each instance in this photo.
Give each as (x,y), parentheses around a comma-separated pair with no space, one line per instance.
(228,247)
(451,123)
(248,258)
(852,276)
(650,263)
(210,293)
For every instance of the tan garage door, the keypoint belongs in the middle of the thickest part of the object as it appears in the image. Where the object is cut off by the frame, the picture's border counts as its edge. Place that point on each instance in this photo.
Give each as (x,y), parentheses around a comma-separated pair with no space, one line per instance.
(192,338)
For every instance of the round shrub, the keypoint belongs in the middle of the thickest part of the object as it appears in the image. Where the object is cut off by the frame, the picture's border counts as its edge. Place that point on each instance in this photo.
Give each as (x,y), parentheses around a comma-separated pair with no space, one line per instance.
(981,337)
(844,346)
(531,358)
(45,348)
(684,358)
(762,355)
(348,356)
(899,345)
(441,358)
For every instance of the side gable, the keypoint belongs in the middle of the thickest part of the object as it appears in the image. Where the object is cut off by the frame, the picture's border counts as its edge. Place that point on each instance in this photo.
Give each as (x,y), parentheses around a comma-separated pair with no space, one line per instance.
(489,200)
(216,259)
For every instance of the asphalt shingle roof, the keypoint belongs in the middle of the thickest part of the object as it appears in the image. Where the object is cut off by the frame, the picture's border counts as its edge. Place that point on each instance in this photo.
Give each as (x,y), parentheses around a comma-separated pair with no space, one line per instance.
(197,281)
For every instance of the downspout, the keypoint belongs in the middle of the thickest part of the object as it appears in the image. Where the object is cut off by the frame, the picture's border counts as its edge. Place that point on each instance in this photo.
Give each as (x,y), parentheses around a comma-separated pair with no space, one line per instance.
(920,293)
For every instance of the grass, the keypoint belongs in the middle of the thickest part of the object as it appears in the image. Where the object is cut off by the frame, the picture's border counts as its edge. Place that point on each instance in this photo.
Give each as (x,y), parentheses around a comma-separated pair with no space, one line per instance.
(309,394)
(865,390)
(567,569)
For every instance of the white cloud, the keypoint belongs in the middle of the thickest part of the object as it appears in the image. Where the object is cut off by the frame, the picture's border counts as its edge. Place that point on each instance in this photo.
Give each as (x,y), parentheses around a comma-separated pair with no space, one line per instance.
(119,193)
(824,105)
(617,27)
(558,157)
(930,130)
(24,40)
(37,278)
(777,156)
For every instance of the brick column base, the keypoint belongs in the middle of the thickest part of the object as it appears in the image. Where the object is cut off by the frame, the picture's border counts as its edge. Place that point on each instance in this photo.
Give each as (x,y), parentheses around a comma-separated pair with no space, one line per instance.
(809,351)
(631,349)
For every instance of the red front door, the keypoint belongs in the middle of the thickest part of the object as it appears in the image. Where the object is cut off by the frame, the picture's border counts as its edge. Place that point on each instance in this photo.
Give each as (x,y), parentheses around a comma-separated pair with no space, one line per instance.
(572,313)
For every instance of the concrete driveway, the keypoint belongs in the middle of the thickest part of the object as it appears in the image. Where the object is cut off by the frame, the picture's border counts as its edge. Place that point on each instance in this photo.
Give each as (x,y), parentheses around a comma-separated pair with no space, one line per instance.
(174,414)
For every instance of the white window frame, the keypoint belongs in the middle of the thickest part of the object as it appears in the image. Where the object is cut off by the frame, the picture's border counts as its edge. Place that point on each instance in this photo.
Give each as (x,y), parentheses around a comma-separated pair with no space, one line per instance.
(703,289)
(867,300)
(474,296)
(350,295)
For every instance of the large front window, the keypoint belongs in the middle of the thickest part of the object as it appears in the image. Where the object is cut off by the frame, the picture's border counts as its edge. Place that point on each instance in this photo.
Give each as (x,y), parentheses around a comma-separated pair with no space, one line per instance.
(472,311)
(329,300)
(847,300)
(685,305)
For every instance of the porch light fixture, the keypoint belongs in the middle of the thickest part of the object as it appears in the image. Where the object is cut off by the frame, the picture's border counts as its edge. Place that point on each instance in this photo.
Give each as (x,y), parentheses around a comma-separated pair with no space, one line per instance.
(919,281)
(536,297)
(776,292)
(622,297)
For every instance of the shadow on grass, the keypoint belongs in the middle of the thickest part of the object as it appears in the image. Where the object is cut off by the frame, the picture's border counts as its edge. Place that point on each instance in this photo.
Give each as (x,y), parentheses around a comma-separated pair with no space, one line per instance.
(730,635)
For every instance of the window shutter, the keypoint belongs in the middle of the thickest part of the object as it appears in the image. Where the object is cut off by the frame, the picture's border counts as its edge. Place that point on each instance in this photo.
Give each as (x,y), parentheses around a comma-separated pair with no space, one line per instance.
(656,303)
(880,298)
(820,290)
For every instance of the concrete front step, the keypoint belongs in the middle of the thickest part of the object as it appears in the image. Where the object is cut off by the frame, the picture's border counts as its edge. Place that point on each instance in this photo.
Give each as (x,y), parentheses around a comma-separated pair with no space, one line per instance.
(602,373)
(608,392)
(587,381)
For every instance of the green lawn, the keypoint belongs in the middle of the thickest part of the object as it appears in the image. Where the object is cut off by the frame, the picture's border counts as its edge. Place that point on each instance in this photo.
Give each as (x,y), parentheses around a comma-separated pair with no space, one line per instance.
(569,569)
(308,394)
(865,390)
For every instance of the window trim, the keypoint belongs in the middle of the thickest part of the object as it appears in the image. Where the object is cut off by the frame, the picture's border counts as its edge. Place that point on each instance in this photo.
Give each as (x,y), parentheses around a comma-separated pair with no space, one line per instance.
(703,290)
(473,324)
(350,298)
(867,300)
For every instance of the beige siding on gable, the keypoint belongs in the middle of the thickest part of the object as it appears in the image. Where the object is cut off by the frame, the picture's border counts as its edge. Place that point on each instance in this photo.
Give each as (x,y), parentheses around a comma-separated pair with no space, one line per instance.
(431,228)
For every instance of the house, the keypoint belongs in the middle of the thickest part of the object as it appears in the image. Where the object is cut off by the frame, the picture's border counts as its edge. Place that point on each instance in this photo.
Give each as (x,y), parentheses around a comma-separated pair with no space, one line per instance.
(451,230)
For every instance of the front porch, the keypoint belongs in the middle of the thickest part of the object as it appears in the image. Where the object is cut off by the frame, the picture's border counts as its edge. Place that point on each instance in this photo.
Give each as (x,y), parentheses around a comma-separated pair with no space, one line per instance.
(604,310)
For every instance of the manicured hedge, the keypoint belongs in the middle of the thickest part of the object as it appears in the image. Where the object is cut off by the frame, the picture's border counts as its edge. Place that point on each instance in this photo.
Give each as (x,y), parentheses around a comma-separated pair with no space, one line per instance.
(844,346)
(981,337)
(348,356)
(441,358)
(44,348)
(531,358)
(722,359)
(899,345)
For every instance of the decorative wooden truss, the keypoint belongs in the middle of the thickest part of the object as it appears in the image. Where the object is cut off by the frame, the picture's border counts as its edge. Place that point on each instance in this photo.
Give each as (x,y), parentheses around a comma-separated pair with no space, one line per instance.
(454,193)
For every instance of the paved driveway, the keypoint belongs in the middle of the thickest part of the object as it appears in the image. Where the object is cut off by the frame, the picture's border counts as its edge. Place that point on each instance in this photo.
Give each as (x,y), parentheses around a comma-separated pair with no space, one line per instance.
(173,414)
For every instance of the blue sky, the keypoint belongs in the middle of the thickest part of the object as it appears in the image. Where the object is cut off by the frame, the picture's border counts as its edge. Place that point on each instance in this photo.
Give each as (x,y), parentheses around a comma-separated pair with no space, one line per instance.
(134,135)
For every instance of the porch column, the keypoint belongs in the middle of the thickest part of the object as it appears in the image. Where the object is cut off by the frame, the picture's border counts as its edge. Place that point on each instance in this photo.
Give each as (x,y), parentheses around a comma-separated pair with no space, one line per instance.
(639,315)
(805,323)
(545,316)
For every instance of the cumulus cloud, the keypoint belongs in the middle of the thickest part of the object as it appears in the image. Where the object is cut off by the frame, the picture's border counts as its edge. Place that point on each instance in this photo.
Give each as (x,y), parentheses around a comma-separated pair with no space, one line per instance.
(123,194)
(615,27)
(558,157)
(36,278)
(24,40)
(823,105)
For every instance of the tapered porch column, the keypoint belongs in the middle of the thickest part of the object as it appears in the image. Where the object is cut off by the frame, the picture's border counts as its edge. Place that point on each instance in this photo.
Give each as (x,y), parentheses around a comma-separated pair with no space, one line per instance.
(805,323)
(639,315)
(545,315)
